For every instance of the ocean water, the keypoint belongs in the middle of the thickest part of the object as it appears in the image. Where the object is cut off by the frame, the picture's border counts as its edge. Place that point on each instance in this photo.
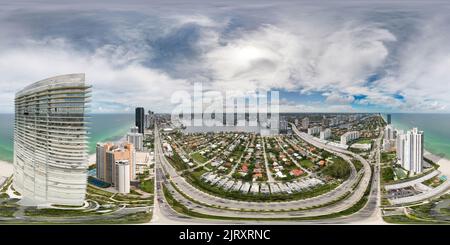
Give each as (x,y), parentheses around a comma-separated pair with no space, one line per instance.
(103,127)
(436,129)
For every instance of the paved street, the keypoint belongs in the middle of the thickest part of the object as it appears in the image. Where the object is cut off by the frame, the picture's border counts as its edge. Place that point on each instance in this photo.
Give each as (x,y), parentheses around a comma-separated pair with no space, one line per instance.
(164,214)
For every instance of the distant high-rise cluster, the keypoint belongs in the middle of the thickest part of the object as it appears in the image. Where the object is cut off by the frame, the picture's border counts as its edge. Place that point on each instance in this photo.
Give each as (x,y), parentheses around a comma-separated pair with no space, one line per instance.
(389,137)
(144,121)
(119,163)
(150,120)
(409,147)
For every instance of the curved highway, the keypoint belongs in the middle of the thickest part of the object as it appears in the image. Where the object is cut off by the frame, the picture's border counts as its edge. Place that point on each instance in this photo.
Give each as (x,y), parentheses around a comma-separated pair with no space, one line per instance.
(204,200)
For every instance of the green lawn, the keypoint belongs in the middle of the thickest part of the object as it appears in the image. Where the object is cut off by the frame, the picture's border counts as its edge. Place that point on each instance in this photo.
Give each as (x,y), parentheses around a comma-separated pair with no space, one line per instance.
(198,157)
(433,182)
(7,211)
(401,174)
(387,174)
(358,164)
(147,185)
(176,161)
(306,163)
(364,141)
(56,212)
(338,169)
(387,157)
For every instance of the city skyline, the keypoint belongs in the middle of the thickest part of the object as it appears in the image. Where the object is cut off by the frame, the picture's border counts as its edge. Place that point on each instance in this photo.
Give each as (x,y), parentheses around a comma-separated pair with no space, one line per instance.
(319,59)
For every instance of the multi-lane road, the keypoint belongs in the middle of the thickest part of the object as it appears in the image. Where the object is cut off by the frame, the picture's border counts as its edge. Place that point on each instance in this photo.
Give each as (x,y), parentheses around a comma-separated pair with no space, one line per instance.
(206,204)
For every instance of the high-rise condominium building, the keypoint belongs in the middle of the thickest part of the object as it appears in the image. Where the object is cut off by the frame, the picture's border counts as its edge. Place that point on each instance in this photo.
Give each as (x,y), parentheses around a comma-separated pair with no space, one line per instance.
(305,122)
(51,142)
(410,150)
(111,160)
(149,120)
(325,134)
(136,138)
(283,125)
(388,118)
(140,119)
(400,145)
(389,132)
(314,130)
(349,136)
(122,176)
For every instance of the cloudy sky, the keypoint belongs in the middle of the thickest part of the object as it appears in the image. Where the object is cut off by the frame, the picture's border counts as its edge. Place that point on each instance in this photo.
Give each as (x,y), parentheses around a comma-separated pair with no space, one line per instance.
(321,56)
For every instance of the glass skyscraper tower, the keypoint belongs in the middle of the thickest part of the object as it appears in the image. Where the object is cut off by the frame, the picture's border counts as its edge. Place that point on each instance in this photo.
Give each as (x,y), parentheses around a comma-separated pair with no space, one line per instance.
(51,142)
(140,119)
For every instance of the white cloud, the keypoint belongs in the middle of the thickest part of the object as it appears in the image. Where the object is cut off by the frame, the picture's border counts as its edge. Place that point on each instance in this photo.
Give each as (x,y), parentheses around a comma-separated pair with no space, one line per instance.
(312,49)
(126,86)
(335,98)
(287,106)
(271,57)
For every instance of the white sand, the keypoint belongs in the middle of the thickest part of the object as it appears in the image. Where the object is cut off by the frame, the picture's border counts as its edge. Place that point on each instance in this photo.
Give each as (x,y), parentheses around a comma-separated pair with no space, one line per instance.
(6,169)
(444,164)
(92,159)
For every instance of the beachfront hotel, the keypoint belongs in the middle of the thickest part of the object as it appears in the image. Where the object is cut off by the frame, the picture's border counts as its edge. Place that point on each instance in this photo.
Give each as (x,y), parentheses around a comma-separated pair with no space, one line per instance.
(51,142)
(111,161)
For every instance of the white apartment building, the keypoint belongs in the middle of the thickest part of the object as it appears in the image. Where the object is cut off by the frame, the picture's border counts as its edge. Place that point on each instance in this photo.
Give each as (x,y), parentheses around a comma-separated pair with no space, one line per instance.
(349,136)
(325,134)
(400,146)
(314,130)
(305,122)
(136,138)
(389,132)
(410,150)
(122,176)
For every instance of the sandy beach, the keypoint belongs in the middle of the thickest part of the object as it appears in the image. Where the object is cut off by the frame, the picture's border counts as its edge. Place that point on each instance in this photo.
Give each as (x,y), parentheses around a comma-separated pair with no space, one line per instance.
(444,164)
(6,169)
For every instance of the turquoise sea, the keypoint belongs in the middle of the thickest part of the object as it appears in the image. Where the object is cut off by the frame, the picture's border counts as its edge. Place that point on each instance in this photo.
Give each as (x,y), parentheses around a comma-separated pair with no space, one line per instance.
(436,129)
(106,127)
(103,127)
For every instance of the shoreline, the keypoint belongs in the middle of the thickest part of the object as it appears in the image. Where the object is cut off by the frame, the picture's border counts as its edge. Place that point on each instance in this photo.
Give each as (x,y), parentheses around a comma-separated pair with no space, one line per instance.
(444,163)
(6,168)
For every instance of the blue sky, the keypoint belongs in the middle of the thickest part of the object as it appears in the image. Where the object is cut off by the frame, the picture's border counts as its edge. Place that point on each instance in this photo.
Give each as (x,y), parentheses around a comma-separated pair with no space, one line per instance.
(321,56)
